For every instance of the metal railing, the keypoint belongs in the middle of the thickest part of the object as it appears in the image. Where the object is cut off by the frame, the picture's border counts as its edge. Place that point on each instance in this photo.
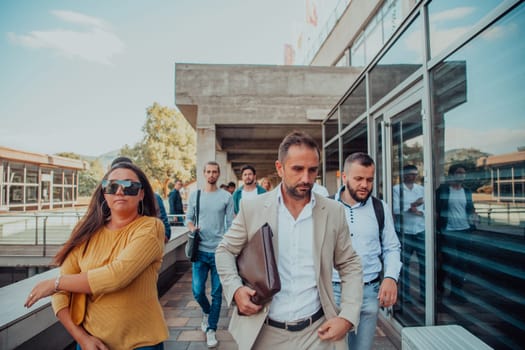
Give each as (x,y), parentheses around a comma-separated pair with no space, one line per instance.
(42,229)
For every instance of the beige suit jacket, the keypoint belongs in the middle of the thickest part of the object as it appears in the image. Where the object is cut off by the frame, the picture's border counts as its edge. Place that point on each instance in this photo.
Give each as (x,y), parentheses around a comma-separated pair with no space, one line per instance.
(332,248)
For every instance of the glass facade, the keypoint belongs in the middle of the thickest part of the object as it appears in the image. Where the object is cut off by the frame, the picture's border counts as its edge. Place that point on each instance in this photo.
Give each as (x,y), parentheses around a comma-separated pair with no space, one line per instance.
(478,115)
(398,63)
(448,22)
(448,137)
(25,186)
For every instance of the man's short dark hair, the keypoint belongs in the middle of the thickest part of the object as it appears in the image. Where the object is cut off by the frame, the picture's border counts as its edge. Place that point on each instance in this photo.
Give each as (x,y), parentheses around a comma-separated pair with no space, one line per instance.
(248,167)
(360,158)
(454,168)
(297,138)
(212,163)
(409,167)
(232,184)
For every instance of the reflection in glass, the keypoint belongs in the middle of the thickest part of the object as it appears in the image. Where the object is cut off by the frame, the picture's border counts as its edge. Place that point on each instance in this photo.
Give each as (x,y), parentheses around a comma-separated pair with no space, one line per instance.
(57,194)
(399,62)
(31,174)
(331,127)
(16,173)
(379,159)
(409,212)
(357,53)
(479,133)
(332,166)
(354,105)
(31,194)
(356,139)
(448,21)
(57,177)
(16,195)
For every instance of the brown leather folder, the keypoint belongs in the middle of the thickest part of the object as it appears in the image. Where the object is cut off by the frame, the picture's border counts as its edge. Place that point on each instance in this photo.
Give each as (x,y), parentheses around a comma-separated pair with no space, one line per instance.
(258,267)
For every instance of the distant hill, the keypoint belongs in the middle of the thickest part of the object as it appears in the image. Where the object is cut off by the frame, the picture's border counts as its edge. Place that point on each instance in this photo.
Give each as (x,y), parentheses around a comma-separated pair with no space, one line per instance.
(464,154)
(108,157)
(104,159)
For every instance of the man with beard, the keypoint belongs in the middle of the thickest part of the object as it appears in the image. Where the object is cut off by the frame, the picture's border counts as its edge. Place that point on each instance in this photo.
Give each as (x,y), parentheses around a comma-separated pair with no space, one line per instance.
(371,244)
(249,190)
(310,235)
(215,212)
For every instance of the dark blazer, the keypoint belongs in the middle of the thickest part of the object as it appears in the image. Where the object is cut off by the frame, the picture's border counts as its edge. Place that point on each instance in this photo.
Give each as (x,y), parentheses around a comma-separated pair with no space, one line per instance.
(175,201)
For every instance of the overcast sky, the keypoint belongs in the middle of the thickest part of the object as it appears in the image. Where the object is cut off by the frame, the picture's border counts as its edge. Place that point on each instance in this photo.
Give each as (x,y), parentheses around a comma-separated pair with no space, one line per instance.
(77,76)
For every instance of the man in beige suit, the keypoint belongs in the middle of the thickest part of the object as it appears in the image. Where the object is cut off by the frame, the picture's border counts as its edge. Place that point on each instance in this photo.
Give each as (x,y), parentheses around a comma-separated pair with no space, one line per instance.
(310,237)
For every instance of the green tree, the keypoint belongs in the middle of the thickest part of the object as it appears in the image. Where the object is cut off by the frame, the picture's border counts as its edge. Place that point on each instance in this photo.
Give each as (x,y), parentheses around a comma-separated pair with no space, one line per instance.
(87,179)
(168,148)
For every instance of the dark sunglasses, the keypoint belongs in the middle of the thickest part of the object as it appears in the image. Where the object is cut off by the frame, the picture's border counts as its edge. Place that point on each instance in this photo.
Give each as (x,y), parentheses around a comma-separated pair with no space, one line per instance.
(129,188)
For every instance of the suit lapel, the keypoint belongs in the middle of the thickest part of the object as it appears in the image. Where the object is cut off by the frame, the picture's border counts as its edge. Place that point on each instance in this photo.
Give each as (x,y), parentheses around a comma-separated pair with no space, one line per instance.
(320,218)
(270,206)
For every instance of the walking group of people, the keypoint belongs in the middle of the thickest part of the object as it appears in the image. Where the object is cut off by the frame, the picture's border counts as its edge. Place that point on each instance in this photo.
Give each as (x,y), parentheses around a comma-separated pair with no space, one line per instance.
(338,258)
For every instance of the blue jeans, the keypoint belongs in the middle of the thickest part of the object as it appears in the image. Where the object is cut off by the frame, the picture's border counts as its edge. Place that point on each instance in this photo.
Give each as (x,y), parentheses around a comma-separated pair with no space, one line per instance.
(159,346)
(364,338)
(206,263)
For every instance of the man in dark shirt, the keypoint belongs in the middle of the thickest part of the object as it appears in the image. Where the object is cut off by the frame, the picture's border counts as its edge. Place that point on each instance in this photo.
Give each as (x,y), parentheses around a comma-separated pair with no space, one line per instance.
(175,201)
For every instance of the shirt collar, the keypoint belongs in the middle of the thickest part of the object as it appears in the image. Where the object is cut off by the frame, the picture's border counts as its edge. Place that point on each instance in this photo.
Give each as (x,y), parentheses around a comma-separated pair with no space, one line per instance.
(357,205)
(280,196)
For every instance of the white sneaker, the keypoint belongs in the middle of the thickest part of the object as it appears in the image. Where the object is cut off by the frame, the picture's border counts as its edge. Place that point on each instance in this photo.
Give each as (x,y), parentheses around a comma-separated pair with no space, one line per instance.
(204,323)
(210,339)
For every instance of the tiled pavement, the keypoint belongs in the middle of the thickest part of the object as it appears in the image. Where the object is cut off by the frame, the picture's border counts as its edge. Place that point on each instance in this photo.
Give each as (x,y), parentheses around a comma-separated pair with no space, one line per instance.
(183,316)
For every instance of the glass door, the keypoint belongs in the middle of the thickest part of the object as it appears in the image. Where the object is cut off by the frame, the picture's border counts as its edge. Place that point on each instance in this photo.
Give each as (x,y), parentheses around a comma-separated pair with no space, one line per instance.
(408,208)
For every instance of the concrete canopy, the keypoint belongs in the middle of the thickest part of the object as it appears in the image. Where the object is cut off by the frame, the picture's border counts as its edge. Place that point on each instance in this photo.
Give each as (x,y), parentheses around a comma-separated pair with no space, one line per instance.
(248,109)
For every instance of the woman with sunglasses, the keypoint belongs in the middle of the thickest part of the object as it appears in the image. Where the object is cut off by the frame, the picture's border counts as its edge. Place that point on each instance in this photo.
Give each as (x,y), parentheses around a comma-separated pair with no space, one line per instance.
(111,263)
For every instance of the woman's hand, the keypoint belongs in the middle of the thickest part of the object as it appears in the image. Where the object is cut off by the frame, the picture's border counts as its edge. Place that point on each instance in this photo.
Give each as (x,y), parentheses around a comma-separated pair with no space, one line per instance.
(42,289)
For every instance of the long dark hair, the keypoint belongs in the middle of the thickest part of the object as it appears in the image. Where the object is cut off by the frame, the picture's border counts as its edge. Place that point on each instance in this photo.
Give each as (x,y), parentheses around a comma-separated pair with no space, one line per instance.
(98,212)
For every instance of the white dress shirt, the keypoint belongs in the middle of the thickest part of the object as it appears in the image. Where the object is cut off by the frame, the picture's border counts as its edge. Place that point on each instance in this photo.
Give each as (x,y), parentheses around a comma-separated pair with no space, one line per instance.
(412,223)
(299,297)
(364,233)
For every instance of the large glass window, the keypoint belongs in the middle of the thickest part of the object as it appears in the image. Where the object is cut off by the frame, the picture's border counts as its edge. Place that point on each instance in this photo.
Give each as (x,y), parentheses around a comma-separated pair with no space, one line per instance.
(31,174)
(392,18)
(332,166)
(16,195)
(354,105)
(399,62)
(449,21)
(357,52)
(31,194)
(409,212)
(16,173)
(356,139)
(479,134)
(331,127)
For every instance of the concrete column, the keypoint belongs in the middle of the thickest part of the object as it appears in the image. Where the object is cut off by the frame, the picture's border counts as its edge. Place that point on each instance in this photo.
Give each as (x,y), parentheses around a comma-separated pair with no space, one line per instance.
(222,159)
(205,150)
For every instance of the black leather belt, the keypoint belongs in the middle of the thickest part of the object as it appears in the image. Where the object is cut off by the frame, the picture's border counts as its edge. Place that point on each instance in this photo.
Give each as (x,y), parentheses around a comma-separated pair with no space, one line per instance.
(377,279)
(296,326)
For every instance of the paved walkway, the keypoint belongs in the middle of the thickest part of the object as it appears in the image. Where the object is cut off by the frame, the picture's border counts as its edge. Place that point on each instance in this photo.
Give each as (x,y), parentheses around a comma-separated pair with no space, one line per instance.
(183,316)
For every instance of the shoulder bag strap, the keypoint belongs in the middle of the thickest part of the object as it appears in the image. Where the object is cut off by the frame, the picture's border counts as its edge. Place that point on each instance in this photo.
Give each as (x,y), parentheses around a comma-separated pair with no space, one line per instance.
(197,207)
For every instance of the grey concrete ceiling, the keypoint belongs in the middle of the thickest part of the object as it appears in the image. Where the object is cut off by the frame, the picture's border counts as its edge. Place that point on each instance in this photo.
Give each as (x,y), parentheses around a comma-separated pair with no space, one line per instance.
(258,144)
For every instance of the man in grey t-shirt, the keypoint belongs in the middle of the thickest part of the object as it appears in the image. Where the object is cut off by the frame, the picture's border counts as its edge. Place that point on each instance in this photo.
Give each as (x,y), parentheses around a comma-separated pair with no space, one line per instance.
(215,212)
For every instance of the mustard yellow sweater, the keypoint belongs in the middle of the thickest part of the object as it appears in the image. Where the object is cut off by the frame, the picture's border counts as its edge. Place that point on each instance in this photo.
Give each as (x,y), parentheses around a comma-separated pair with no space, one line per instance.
(122,267)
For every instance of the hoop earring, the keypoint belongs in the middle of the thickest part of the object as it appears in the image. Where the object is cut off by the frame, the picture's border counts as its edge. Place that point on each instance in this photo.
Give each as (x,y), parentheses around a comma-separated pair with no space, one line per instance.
(141,207)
